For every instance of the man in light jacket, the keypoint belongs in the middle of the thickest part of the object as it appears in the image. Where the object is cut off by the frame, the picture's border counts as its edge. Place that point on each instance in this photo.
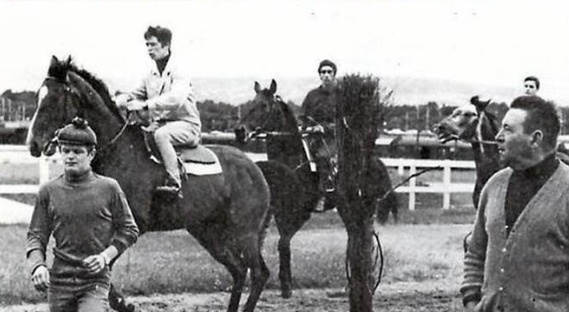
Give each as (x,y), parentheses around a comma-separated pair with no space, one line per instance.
(166,95)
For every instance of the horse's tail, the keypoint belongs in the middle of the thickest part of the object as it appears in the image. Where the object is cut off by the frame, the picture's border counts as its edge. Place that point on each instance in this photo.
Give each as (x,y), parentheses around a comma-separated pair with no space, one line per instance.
(386,198)
(389,204)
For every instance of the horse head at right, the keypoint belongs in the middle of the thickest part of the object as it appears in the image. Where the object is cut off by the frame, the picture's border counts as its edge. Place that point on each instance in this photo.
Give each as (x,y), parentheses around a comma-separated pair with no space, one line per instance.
(260,114)
(459,125)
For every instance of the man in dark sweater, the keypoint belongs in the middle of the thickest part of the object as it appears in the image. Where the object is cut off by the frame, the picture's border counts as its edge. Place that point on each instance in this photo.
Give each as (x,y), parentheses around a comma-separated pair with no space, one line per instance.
(91,222)
(517,258)
(318,117)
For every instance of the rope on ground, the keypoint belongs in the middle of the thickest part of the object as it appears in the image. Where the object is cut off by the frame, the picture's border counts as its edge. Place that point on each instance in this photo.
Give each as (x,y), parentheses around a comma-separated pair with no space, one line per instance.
(379,250)
(378,258)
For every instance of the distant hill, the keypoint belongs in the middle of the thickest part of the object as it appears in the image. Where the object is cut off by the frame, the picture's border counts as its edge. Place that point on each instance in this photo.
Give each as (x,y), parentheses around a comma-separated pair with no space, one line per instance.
(414,91)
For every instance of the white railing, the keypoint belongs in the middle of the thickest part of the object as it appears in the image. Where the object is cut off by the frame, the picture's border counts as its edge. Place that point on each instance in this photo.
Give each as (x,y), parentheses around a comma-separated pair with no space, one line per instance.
(20,154)
(446,187)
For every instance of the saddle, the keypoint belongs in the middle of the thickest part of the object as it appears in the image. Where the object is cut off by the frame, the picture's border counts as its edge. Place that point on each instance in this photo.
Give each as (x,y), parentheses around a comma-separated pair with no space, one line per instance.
(195,160)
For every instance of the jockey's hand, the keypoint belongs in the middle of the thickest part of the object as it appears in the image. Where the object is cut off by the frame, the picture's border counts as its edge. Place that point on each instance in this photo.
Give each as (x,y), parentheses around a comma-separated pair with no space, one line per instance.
(135,105)
(318,129)
(40,278)
(151,127)
(122,99)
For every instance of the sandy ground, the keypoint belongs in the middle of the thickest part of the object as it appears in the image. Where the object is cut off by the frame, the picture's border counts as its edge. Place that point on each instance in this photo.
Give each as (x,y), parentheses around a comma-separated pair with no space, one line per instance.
(397,297)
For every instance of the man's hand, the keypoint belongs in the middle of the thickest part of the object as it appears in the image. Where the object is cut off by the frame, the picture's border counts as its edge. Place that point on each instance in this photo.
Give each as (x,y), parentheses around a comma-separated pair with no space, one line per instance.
(95,263)
(40,278)
(135,105)
(471,306)
(122,99)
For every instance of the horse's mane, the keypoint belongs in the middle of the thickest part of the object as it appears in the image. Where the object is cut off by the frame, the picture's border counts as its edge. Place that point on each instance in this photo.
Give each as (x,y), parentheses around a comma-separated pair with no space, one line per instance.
(60,69)
(287,111)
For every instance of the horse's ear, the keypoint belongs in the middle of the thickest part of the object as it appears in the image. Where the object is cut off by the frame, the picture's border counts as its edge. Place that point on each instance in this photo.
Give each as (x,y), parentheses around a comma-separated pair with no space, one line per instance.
(257,87)
(273,86)
(480,105)
(54,61)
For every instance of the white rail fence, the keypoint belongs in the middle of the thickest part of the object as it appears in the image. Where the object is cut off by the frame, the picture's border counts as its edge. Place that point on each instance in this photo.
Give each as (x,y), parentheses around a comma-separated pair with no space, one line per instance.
(20,155)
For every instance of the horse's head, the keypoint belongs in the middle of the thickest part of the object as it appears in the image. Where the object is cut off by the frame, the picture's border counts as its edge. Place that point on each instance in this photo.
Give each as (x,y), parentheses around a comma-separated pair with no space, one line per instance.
(57,105)
(464,122)
(64,94)
(265,113)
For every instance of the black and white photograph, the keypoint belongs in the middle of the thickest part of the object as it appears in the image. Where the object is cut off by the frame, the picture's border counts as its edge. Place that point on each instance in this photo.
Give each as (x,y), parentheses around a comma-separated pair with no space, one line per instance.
(284,155)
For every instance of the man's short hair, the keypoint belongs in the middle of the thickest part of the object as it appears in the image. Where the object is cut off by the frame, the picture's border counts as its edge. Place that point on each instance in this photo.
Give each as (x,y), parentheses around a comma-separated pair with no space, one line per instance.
(534,79)
(327,63)
(541,115)
(163,34)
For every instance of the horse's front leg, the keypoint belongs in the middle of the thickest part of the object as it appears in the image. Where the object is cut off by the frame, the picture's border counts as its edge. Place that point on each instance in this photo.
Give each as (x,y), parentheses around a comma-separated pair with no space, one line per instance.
(117,301)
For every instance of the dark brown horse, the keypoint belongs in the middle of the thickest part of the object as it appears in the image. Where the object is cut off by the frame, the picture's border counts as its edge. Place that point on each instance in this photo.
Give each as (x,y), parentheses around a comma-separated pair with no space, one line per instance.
(226,212)
(294,187)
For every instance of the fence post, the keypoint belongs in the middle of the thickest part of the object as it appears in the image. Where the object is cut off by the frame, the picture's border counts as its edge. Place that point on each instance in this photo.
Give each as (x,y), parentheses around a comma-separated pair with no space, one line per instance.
(400,168)
(44,169)
(446,184)
(412,184)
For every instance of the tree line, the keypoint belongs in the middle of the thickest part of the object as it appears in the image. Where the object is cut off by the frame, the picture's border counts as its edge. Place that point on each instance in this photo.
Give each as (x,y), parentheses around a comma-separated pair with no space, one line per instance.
(222,116)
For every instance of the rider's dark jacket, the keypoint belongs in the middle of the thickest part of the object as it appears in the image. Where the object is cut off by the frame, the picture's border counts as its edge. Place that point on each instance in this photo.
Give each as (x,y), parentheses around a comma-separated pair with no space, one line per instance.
(319,104)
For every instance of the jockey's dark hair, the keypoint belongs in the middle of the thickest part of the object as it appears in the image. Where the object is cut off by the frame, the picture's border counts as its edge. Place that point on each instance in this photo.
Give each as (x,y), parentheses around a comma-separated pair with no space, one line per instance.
(163,34)
(541,115)
(327,63)
(533,78)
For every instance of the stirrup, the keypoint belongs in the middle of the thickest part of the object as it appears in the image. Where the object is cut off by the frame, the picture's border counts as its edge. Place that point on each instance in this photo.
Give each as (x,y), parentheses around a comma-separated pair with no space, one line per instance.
(329,185)
(171,187)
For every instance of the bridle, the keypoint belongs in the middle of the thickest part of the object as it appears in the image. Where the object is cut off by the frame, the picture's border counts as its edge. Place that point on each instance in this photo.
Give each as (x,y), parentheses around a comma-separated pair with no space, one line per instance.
(69,92)
(259,133)
(491,118)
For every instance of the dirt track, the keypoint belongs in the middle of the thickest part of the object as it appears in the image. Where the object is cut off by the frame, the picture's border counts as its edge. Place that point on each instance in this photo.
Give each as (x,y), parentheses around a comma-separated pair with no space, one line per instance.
(398,297)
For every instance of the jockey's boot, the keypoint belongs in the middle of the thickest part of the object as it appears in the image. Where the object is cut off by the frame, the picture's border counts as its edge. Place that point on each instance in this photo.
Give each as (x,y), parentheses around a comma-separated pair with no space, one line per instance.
(173,183)
(320,204)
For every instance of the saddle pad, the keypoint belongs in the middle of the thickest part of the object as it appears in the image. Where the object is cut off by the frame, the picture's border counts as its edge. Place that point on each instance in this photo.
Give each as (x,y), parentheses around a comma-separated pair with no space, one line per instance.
(199,154)
(200,168)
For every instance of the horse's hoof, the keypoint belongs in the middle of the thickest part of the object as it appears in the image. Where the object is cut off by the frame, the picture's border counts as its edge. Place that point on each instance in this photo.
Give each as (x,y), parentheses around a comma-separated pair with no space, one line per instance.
(286,293)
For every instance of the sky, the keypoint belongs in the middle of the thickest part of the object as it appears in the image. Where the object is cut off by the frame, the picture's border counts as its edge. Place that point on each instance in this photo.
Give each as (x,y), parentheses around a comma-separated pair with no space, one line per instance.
(490,42)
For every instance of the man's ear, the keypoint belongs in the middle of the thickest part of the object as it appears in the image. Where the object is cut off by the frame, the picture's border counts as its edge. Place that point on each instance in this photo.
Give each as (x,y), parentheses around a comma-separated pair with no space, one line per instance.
(537,138)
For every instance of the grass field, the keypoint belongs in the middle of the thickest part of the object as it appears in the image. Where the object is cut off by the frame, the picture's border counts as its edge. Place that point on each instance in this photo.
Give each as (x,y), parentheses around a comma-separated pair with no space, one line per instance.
(424,247)
(173,262)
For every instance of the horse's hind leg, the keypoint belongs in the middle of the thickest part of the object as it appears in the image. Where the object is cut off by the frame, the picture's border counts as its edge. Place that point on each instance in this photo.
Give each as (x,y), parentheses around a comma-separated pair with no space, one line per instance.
(259,271)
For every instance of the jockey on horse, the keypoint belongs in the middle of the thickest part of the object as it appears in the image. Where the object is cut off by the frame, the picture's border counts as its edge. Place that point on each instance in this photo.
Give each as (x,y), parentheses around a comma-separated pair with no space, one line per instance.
(317,120)
(166,97)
